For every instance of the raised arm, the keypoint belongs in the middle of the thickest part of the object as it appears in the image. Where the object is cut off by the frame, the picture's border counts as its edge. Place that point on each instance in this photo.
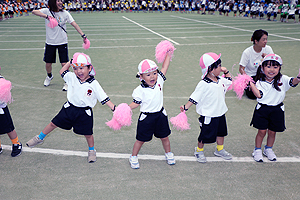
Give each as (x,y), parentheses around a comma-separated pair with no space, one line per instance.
(64,68)
(166,64)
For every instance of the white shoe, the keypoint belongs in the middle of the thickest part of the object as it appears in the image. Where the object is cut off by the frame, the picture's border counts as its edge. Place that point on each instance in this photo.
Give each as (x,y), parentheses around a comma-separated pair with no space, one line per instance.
(270,154)
(47,81)
(257,155)
(200,156)
(65,88)
(170,158)
(134,162)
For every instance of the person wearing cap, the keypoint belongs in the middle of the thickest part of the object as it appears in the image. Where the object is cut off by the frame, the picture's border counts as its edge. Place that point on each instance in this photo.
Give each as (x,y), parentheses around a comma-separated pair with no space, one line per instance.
(56,38)
(209,98)
(153,119)
(253,55)
(268,116)
(83,93)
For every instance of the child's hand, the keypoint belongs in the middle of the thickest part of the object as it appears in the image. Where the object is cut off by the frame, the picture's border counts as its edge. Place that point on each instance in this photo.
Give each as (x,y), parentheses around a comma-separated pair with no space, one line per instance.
(181,108)
(263,55)
(224,69)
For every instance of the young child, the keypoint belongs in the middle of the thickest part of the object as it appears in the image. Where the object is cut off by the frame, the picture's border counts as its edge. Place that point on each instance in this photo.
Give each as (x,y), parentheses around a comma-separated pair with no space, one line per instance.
(83,93)
(268,115)
(7,126)
(209,98)
(153,119)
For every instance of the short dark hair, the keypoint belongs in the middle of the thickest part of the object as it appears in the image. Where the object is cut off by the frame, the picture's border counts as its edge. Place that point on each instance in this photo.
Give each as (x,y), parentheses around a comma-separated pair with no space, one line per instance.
(214,65)
(256,35)
(52,5)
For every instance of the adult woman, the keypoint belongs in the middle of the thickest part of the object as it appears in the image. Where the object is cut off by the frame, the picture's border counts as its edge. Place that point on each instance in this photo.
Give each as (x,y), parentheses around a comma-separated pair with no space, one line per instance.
(253,56)
(56,38)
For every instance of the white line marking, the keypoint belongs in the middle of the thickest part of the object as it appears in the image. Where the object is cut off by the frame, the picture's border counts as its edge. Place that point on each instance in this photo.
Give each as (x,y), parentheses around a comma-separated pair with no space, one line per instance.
(151,30)
(231,27)
(147,157)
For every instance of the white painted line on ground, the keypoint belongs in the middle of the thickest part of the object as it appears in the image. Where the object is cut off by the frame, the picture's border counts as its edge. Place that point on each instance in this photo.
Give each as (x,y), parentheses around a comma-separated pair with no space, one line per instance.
(151,30)
(147,157)
(231,27)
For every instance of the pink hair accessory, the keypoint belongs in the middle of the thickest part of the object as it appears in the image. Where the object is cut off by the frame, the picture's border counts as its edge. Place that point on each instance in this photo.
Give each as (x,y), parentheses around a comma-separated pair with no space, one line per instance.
(5,94)
(240,83)
(162,49)
(52,22)
(122,117)
(180,122)
(86,44)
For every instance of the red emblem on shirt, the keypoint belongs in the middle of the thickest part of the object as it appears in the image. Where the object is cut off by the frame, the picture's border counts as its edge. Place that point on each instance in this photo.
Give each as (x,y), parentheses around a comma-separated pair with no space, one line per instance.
(159,87)
(279,84)
(89,92)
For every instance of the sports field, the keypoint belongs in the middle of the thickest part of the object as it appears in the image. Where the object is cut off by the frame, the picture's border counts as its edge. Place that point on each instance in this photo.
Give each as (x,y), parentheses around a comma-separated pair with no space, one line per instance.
(58,169)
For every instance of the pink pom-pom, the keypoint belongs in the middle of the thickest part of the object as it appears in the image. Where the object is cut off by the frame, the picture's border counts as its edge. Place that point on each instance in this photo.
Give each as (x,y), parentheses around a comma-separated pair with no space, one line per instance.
(240,83)
(113,124)
(123,114)
(180,121)
(162,49)
(5,94)
(86,44)
(52,22)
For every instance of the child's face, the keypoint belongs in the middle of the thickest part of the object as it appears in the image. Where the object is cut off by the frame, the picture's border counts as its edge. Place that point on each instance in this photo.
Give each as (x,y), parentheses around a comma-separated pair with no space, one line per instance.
(217,71)
(83,73)
(271,71)
(150,78)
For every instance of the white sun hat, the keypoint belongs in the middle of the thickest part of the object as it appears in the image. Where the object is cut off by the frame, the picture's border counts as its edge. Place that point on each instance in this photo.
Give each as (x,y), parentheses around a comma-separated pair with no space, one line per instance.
(81,60)
(147,66)
(207,60)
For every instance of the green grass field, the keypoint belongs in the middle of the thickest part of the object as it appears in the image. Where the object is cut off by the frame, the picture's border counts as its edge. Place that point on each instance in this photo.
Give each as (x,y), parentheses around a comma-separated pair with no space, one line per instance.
(117,46)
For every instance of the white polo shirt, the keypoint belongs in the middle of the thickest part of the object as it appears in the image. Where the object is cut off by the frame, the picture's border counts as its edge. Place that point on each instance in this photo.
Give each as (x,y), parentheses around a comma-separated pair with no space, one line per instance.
(150,99)
(251,59)
(209,97)
(270,96)
(56,35)
(84,94)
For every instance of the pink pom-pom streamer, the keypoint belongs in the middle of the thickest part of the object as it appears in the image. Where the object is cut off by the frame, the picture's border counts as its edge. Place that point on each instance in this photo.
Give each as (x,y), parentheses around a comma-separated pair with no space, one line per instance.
(123,114)
(5,94)
(122,117)
(162,49)
(52,22)
(114,124)
(86,45)
(240,83)
(180,122)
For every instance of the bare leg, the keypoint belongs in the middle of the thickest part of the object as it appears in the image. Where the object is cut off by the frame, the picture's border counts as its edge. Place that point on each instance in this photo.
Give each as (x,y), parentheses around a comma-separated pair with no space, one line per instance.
(49,68)
(166,144)
(220,140)
(136,147)
(259,138)
(50,127)
(90,140)
(271,138)
(12,135)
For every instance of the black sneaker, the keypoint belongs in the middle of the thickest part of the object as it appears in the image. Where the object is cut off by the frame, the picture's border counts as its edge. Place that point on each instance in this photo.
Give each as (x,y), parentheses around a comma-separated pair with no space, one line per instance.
(1,150)
(16,150)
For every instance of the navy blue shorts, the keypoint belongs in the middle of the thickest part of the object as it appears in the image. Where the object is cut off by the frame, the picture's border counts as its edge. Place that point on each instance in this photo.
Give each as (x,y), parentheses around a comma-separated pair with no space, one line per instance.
(80,119)
(6,123)
(150,124)
(269,117)
(50,53)
(211,128)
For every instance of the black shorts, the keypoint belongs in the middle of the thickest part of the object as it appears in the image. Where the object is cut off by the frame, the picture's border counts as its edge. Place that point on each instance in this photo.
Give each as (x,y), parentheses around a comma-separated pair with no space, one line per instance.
(6,123)
(78,118)
(50,53)
(269,117)
(213,128)
(150,124)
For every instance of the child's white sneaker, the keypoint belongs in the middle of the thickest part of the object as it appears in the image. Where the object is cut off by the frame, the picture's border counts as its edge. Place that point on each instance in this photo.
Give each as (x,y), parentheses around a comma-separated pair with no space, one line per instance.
(92,156)
(270,154)
(257,155)
(47,81)
(170,158)
(200,156)
(223,154)
(134,162)
(34,141)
